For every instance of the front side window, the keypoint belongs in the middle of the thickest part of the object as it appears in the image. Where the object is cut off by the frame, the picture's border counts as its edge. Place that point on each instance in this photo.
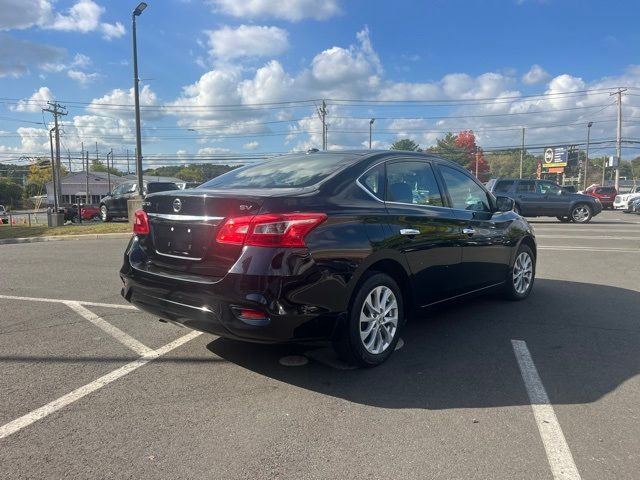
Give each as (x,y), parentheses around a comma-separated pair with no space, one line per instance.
(548,188)
(413,182)
(120,189)
(465,194)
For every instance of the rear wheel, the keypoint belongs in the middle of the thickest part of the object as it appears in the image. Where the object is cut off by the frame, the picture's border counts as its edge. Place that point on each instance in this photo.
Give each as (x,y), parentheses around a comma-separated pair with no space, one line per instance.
(581,213)
(564,219)
(372,328)
(104,213)
(520,278)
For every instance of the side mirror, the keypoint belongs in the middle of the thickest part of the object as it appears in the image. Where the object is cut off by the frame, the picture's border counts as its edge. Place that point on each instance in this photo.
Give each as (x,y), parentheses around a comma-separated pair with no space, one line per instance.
(504,204)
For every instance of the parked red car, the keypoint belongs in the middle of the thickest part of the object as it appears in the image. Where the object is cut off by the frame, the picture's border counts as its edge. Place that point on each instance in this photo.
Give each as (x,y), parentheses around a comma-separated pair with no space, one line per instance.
(606,195)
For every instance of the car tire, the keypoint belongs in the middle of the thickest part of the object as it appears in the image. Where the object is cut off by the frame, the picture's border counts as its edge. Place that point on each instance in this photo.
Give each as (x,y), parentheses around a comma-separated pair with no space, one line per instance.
(581,213)
(521,275)
(104,213)
(565,219)
(95,218)
(355,345)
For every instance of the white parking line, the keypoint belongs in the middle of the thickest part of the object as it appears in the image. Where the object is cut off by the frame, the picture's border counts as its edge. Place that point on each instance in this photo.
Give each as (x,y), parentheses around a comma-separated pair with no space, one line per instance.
(588,237)
(558,454)
(40,413)
(563,248)
(124,338)
(57,300)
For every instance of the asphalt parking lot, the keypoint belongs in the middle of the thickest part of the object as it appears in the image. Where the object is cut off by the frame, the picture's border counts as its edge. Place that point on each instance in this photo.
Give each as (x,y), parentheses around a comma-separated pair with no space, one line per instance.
(91,388)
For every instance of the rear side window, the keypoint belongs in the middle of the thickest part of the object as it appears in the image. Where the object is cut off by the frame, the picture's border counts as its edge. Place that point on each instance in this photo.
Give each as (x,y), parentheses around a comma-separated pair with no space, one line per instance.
(289,171)
(526,186)
(412,182)
(373,181)
(503,186)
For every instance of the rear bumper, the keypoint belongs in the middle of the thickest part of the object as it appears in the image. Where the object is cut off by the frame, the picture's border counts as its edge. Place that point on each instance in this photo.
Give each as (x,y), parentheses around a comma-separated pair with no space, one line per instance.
(212,305)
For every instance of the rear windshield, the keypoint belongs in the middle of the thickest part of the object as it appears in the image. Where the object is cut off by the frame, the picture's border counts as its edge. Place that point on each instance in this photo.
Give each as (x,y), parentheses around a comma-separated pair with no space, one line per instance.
(291,171)
(606,190)
(161,187)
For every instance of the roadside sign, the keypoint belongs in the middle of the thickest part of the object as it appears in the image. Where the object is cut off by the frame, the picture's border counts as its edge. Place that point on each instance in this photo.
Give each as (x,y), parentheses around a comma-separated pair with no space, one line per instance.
(556,170)
(555,157)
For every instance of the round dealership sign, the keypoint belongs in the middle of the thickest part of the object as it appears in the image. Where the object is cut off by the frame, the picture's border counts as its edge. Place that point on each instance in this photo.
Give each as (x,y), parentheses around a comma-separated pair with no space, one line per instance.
(548,155)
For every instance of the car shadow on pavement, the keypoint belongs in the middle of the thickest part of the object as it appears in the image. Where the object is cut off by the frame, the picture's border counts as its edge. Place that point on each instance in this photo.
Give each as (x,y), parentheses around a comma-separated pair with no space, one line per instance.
(584,340)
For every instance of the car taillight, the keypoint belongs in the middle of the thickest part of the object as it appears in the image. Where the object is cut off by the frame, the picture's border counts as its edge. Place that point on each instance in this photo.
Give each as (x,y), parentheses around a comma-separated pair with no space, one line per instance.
(141,223)
(270,230)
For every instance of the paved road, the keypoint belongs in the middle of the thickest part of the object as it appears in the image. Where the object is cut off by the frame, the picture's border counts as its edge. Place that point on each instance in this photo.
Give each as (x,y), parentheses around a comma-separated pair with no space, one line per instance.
(451,403)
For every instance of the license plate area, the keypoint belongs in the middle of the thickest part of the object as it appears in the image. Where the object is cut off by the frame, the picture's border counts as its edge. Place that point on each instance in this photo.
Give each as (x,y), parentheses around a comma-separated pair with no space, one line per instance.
(181,240)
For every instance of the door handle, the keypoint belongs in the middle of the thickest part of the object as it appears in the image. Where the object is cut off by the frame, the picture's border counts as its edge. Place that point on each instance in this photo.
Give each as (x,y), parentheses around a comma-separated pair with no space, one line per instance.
(410,232)
(468,230)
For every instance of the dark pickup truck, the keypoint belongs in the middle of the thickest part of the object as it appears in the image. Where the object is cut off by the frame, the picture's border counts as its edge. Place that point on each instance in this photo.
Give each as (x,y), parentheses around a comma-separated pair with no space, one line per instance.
(542,198)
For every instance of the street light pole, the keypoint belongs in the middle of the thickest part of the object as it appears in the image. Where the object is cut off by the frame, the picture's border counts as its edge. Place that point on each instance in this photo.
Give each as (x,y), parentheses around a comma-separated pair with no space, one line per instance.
(370,130)
(586,162)
(136,94)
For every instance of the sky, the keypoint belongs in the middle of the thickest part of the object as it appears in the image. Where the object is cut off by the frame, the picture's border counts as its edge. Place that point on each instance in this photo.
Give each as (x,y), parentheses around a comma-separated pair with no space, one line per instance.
(222,78)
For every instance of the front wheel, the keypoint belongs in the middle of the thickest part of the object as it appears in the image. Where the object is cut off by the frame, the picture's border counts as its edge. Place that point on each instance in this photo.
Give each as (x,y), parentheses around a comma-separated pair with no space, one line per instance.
(521,277)
(372,327)
(104,213)
(581,213)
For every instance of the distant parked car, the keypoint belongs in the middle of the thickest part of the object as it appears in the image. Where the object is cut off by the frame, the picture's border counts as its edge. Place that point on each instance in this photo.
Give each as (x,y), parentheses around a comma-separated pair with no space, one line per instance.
(634,206)
(623,200)
(88,212)
(4,217)
(115,203)
(606,195)
(542,198)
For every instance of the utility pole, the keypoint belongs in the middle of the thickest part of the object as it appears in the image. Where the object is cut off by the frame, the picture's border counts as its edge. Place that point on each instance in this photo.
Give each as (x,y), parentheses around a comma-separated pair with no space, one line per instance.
(53,174)
(128,170)
(88,202)
(322,114)
(477,164)
(586,162)
(618,136)
(108,170)
(57,110)
(69,160)
(521,153)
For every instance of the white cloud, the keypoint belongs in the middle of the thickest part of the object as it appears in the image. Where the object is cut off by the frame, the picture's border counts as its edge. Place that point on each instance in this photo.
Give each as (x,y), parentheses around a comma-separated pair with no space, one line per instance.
(79,61)
(83,16)
(536,74)
(120,103)
(111,31)
(247,41)
(16,56)
(36,102)
(292,10)
(20,14)
(84,79)
(251,145)
(212,151)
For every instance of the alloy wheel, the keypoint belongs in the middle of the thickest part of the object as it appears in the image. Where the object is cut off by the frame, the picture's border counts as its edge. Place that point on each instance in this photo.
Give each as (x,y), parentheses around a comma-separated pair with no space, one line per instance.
(378,320)
(103,213)
(580,214)
(522,273)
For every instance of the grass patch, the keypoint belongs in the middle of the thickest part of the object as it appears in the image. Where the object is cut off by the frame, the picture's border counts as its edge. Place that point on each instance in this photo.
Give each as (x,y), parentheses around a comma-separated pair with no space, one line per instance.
(22,231)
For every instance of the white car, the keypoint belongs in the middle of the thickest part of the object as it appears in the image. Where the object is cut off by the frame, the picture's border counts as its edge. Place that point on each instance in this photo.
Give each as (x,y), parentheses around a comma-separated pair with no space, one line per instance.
(622,200)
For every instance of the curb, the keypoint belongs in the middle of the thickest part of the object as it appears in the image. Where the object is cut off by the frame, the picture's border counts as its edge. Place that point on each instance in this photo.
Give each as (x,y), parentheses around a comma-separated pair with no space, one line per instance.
(60,238)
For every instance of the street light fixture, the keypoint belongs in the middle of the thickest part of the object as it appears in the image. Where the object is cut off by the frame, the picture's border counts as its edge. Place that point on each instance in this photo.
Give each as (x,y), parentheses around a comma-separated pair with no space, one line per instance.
(586,161)
(136,94)
(370,130)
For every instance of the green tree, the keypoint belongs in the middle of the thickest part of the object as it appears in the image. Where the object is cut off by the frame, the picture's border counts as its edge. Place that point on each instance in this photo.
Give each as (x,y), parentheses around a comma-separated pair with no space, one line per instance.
(38,176)
(10,193)
(98,166)
(447,147)
(506,164)
(406,144)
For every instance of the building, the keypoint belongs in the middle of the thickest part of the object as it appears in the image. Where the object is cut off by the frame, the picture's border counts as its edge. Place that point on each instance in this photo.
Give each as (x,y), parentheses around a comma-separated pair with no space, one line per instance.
(74,187)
